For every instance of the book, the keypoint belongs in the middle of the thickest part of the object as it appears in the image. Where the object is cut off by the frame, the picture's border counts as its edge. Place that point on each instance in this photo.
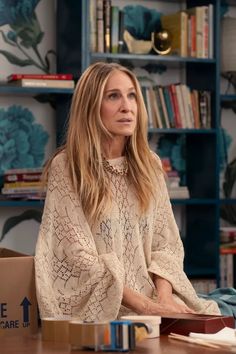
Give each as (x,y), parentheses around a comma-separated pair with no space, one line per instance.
(22,177)
(14,77)
(23,184)
(177,24)
(180,103)
(100,27)
(186,323)
(23,190)
(211,31)
(121,43)
(169,107)
(173,95)
(180,192)
(43,83)
(164,109)
(23,170)
(114,29)
(107,25)
(93,26)
(201,24)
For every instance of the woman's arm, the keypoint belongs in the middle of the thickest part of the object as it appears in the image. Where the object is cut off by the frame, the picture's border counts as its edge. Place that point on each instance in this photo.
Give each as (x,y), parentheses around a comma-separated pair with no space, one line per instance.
(142,305)
(165,296)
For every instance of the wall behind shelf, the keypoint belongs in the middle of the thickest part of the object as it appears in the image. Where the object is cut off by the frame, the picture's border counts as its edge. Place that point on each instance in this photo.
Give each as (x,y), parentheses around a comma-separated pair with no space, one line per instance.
(23,236)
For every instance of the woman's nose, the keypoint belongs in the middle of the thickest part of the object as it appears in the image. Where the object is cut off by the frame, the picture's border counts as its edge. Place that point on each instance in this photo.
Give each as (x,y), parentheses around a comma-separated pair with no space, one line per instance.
(125,104)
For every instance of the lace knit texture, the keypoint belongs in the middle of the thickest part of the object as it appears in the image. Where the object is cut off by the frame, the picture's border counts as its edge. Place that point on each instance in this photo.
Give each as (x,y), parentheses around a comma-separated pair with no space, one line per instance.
(81,272)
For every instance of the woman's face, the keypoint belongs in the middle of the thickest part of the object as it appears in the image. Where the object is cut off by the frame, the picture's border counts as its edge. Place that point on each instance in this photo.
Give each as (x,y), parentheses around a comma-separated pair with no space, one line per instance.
(119,105)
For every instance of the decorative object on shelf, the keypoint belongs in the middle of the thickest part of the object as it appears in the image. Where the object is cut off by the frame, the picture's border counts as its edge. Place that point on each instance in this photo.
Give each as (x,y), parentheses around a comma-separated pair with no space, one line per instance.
(140,21)
(22,141)
(136,46)
(25,34)
(161,42)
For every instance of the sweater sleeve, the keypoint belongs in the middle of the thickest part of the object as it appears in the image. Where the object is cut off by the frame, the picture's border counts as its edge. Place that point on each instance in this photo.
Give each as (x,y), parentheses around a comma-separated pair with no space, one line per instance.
(167,253)
(72,279)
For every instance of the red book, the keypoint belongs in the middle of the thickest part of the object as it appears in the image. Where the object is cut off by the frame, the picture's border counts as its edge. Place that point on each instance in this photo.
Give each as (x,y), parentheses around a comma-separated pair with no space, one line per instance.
(14,77)
(22,177)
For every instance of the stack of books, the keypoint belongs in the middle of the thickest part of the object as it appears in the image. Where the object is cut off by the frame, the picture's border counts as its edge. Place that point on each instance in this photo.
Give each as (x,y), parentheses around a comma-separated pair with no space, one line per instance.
(176,191)
(23,183)
(64,81)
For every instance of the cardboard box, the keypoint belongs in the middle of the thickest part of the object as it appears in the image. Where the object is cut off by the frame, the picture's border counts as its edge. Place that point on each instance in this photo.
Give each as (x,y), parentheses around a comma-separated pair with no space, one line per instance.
(18,304)
(186,323)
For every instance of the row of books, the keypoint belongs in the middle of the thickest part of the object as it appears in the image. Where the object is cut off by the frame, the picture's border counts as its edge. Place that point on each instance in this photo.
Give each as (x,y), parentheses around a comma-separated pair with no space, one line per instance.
(176,106)
(227,256)
(191,31)
(64,81)
(106,27)
(23,184)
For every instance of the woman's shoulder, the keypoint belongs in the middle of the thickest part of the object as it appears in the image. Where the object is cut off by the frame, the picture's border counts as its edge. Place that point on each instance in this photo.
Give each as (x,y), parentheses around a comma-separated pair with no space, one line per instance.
(156,160)
(59,162)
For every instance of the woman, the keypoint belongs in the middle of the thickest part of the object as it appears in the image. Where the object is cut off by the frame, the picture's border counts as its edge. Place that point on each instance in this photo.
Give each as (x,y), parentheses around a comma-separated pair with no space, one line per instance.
(108,243)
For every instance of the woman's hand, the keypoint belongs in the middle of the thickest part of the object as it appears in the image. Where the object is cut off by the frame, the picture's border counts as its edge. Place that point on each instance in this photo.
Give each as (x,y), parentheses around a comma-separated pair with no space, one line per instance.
(165,297)
(142,305)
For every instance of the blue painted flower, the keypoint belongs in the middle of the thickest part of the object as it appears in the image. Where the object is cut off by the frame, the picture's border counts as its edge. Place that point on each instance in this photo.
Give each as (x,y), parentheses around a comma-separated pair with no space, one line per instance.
(24,33)
(12,11)
(22,141)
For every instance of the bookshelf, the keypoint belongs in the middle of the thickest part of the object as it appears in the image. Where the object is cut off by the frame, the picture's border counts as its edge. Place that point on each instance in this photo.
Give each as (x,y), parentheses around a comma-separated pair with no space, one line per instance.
(202,209)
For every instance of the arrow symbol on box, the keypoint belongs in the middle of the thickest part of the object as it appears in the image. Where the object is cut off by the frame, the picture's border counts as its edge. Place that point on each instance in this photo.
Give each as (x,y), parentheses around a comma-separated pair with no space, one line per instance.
(25,304)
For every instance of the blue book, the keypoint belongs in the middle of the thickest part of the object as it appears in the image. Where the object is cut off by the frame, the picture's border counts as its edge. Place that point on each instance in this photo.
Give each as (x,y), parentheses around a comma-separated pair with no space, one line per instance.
(169,107)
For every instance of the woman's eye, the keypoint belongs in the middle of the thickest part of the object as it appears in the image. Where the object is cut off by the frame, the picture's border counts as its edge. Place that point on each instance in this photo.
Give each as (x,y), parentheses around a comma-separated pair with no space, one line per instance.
(133,95)
(113,96)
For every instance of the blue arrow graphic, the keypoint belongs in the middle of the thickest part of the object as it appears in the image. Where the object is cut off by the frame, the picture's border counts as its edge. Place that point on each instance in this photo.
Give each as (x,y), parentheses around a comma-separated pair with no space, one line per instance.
(25,303)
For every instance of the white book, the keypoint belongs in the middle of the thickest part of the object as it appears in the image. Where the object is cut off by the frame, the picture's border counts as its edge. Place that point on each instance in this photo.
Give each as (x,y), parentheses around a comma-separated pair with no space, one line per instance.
(43,83)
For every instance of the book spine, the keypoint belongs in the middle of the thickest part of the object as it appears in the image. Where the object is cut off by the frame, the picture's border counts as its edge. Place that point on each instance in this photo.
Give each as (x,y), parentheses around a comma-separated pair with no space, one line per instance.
(107,25)
(14,77)
(121,44)
(100,27)
(22,177)
(178,122)
(19,190)
(114,29)
(164,109)
(23,184)
(184,34)
(180,106)
(46,83)
(93,26)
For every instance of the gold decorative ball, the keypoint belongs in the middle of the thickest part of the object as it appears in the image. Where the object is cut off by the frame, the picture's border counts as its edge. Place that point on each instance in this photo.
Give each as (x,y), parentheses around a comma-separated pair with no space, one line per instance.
(161,42)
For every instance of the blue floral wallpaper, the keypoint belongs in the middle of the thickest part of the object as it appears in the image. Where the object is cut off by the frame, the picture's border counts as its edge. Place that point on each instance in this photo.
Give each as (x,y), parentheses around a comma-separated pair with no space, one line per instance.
(22,140)
(24,34)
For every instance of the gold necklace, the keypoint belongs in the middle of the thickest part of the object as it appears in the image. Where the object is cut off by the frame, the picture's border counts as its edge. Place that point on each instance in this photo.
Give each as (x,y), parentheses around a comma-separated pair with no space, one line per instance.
(115,170)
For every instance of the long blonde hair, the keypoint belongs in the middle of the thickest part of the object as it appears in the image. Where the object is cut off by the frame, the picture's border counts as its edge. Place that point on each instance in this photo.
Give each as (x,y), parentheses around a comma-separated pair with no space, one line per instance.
(84,144)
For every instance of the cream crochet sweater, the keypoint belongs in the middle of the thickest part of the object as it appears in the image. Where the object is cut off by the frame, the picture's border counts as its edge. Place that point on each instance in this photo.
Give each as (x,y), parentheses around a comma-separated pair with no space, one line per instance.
(81,272)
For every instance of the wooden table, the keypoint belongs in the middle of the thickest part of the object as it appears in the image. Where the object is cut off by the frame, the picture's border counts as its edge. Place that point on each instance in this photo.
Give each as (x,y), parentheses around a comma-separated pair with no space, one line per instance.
(162,345)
